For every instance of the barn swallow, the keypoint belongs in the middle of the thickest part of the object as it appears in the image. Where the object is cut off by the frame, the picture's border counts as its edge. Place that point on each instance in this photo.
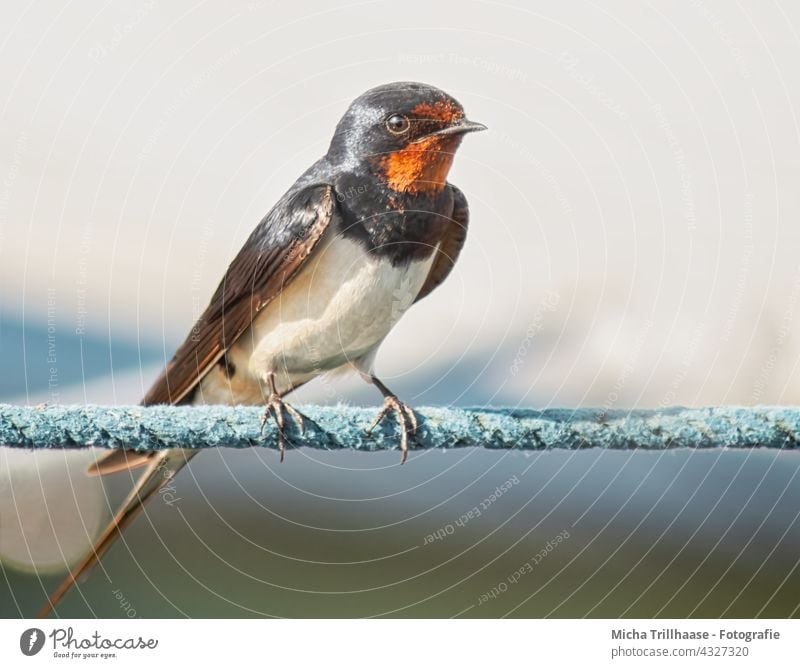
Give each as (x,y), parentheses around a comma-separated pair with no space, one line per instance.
(367,231)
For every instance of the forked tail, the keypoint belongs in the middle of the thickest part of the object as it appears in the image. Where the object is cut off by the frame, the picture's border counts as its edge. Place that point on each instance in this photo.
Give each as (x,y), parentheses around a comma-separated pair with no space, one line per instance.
(161,467)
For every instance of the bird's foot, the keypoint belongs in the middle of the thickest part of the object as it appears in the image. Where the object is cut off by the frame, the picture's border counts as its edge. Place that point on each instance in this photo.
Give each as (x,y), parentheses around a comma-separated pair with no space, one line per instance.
(278,408)
(405,417)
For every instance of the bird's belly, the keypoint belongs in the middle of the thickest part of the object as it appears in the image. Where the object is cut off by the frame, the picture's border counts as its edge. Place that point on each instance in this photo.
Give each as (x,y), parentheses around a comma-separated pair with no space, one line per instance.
(340,306)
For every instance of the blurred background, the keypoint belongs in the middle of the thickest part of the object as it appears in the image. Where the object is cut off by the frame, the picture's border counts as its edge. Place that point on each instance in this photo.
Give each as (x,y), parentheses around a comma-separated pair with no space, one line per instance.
(634,243)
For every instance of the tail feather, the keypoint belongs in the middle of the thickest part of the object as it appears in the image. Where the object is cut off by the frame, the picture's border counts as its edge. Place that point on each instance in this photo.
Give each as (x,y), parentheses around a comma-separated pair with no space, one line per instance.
(119,460)
(161,468)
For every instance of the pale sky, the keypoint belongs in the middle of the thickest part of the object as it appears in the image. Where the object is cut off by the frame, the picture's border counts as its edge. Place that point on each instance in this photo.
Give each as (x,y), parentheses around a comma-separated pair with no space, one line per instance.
(634,235)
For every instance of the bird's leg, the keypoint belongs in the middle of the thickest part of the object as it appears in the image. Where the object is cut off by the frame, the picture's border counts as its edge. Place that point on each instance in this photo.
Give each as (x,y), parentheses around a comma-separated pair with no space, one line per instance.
(403,412)
(276,405)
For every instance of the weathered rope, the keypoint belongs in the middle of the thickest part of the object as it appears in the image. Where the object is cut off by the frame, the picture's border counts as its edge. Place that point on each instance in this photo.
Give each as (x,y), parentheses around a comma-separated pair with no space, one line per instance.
(333,427)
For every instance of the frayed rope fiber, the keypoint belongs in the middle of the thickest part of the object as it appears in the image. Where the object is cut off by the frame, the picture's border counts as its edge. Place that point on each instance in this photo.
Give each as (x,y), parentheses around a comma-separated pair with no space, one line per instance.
(334,427)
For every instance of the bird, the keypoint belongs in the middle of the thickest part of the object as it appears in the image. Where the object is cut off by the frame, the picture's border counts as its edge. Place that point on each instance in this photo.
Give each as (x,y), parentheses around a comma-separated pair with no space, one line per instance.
(367,231)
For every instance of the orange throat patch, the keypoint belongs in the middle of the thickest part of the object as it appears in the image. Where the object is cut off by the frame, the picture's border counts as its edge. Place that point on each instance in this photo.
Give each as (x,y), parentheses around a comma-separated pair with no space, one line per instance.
(420,167)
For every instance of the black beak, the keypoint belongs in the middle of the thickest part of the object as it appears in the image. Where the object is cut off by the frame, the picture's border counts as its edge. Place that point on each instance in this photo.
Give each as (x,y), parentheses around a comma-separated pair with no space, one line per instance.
(460,127)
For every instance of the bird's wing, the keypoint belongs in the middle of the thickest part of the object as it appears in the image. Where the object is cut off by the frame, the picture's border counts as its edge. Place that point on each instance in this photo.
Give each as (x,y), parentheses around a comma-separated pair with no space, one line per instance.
(270,258)
(275,251)
(450,247)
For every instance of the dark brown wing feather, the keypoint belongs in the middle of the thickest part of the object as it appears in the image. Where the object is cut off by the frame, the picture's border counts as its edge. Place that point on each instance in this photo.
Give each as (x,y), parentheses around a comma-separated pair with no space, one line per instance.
(118,460)
(450,246)
(271,257)
(276,249)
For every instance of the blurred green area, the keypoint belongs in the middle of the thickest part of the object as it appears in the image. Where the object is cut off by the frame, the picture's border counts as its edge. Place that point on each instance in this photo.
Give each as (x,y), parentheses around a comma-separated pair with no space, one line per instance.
(677,534)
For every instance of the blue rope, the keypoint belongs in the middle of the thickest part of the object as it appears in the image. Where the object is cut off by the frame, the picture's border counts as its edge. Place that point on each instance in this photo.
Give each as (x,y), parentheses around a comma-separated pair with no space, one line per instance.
(333,427)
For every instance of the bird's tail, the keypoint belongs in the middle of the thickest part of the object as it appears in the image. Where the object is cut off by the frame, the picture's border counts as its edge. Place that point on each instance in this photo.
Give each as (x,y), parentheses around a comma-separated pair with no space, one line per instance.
(161,467)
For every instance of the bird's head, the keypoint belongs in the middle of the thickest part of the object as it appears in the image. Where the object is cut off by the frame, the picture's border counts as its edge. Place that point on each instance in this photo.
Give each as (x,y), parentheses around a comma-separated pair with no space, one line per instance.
(405,133)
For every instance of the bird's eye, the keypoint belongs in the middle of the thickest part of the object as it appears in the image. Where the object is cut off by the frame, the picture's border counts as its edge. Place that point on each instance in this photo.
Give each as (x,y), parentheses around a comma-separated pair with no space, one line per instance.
(397,124)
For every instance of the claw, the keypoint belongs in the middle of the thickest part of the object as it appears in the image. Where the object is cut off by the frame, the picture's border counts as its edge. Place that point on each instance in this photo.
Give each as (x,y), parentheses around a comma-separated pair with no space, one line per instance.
(278,407)
(298,418)
(405,417)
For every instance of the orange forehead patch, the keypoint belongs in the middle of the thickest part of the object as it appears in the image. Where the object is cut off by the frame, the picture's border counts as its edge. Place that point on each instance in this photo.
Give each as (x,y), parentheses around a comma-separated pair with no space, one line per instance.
(421,166)
(438,111)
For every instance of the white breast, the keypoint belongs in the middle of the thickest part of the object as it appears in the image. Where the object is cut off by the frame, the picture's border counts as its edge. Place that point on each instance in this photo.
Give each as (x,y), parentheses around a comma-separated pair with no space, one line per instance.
(340,306)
